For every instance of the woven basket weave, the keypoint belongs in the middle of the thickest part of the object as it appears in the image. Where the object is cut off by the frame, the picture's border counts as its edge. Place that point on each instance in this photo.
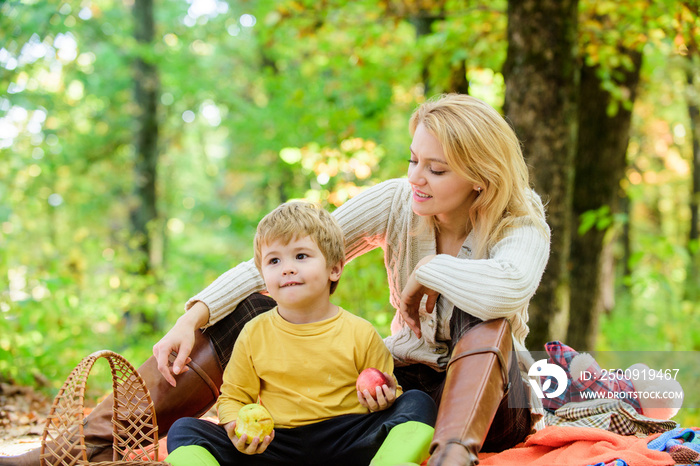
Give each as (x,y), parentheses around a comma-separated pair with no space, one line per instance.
(134,419)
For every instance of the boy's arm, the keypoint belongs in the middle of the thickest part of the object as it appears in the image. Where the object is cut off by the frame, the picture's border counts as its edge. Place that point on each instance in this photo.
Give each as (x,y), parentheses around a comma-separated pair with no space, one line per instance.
(240,387)
(241,384)
(379,357)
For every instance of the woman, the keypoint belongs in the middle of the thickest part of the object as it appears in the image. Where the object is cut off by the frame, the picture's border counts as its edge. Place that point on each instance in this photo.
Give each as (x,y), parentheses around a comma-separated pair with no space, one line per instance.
(465,241)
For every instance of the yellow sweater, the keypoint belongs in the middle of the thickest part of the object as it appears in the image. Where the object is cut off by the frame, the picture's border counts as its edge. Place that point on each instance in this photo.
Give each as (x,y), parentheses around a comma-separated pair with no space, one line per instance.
(303,373)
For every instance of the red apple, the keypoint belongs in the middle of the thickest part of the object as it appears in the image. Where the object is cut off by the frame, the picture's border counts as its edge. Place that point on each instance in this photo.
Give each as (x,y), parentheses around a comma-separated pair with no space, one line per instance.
(370,379)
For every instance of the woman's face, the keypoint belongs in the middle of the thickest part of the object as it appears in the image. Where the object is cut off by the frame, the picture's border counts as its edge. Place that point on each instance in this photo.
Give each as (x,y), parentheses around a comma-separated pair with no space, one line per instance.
(437,189)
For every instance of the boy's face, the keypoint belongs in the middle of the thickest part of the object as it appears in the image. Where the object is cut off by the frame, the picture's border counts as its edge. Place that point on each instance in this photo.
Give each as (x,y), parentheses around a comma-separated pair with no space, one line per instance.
(296,274)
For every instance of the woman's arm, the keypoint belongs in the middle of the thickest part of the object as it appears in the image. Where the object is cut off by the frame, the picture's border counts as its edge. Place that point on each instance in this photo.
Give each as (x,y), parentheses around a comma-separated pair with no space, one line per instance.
(228,290)
(204,309)
(366,218)
(181,340)
(494,287)
(412,295)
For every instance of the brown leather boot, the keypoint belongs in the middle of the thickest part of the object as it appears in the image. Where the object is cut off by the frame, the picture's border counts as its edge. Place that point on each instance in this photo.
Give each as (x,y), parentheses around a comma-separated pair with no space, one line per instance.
(196,391)
(476,383)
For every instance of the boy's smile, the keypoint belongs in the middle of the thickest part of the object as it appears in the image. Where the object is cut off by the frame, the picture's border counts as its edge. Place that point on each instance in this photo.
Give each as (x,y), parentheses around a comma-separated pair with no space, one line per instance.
(290,284)
(298,277)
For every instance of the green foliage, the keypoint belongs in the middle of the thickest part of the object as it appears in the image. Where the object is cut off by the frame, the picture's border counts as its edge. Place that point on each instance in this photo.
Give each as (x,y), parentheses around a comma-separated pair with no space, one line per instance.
(266,101)
(363,290)
(601,218)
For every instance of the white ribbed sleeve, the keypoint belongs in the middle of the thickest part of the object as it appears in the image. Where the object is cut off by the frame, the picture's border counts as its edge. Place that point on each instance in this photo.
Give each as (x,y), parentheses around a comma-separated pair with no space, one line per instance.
(224,293)
(500,285)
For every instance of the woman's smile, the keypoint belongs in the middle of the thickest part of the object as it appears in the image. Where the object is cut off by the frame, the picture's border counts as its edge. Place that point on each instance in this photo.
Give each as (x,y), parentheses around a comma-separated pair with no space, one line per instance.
(420,196)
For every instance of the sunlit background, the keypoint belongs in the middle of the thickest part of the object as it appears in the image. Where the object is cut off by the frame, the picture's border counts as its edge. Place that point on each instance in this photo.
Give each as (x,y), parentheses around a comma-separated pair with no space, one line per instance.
(259,102)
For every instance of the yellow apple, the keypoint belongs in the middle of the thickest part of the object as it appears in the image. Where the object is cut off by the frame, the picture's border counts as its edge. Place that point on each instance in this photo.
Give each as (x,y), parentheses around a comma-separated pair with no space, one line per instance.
(254,421)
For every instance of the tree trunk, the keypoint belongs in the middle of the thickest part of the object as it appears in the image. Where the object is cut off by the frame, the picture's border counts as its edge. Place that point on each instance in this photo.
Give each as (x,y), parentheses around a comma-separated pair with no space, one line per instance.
(601,158)
(694,115)
(626,240)
(541,85)
(458,78)
(146,87)
(693,280)
(423,22)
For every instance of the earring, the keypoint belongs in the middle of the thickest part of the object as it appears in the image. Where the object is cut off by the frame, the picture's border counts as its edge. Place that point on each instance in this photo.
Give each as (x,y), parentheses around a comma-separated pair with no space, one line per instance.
(478,189)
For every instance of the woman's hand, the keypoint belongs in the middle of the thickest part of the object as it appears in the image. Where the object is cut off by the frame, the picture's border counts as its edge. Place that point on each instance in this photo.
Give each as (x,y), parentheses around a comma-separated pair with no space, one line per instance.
(385,396)
(411,297)
(253,448)
(180,339)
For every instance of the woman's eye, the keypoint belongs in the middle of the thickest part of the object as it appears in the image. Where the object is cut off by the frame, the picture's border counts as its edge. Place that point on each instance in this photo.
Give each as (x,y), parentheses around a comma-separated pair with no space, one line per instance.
(434,172)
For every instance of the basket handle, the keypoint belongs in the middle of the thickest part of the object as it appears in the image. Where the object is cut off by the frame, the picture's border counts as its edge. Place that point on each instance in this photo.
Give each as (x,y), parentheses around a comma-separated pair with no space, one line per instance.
(135,429)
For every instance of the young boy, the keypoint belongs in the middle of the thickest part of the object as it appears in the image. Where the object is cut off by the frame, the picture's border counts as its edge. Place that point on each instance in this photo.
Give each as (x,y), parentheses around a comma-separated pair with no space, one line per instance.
(301,361)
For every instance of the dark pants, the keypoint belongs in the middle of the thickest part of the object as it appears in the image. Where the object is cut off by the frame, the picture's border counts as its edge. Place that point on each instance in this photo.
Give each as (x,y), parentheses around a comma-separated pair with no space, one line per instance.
(224,333)
(351,440)
(510,425)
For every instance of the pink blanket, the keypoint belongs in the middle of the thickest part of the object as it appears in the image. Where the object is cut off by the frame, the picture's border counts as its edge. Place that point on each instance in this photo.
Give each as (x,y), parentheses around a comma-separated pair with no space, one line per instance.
(578,446)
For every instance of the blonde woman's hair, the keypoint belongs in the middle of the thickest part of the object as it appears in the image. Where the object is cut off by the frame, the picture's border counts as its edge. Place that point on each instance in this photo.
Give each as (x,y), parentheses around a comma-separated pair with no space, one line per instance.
(298,219)
(480,146)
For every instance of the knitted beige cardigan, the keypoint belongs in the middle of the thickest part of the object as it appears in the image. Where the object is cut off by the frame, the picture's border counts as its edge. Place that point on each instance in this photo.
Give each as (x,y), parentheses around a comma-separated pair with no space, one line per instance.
(500,285)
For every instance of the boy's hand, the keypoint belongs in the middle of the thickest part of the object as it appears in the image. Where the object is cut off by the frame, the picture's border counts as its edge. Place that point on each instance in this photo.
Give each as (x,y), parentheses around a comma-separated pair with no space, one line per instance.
(383,399)
(253,448)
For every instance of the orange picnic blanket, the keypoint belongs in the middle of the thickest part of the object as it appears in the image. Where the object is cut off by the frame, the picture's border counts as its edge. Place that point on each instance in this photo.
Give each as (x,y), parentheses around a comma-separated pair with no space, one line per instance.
(578,446)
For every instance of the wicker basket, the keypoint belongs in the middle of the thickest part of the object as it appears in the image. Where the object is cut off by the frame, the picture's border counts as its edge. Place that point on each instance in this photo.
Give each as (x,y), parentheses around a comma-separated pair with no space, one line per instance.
(133,419)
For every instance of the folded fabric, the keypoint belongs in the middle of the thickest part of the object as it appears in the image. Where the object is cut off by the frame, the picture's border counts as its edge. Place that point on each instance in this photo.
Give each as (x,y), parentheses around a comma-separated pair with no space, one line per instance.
(577,446)
(683,444)
(562,355)
(612,415)
(612,463)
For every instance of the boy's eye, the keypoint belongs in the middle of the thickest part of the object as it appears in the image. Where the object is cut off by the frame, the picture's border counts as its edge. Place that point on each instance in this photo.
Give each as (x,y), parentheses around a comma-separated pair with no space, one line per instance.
(301,256)
(273,261)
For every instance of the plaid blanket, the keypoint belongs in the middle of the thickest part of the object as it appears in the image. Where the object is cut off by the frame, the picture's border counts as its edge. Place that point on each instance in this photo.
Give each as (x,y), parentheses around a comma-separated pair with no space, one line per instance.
(682,444)
(617,388)
(611,415)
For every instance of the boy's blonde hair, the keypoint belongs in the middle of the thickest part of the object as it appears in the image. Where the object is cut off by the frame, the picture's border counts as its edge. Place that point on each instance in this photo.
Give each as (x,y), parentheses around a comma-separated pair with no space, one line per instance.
(480,146)
(298,219)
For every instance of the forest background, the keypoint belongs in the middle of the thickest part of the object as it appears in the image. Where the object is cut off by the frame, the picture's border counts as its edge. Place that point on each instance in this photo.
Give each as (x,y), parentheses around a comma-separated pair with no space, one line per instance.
(141,141)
